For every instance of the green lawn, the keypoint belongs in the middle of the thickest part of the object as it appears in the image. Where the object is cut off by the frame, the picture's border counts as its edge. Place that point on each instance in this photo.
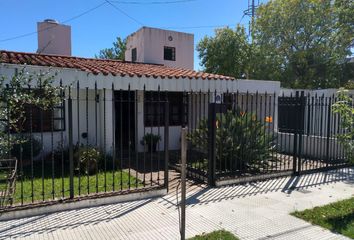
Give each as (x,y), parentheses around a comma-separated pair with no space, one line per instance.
(337,217)
(216,235)
(87,185)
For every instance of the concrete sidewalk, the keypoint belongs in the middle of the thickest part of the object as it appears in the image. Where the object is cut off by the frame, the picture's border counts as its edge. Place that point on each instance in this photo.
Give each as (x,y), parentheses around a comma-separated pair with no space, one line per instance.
(253,211)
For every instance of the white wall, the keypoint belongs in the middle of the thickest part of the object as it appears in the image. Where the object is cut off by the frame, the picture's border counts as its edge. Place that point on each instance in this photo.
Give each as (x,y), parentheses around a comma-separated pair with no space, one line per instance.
(150,43)
(312,146)
(72,76)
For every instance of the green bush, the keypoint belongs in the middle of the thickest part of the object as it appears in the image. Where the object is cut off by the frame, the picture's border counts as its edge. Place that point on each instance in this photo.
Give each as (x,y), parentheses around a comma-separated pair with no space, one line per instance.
(240,137)
(87,159)
(27,143)
(345,108)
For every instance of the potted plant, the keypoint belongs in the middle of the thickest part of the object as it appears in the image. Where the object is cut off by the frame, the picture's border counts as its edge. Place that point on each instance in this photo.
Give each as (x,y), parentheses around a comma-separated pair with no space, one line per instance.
(150,141)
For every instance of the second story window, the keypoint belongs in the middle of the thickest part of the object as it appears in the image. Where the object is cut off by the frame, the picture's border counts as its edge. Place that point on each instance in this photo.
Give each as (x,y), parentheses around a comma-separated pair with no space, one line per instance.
(169,53)
(134,55)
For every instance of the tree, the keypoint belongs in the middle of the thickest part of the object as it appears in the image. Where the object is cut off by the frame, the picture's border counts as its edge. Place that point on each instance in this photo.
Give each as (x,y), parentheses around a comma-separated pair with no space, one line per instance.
(115,52)
(21,90)
(345,109)
(226,53)
(304,43)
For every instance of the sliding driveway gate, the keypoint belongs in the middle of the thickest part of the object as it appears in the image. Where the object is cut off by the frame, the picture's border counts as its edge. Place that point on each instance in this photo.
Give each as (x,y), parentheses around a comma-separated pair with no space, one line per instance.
(238,137)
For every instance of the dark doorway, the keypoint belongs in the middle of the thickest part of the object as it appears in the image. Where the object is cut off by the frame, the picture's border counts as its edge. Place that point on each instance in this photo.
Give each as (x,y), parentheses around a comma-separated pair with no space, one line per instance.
(125,120)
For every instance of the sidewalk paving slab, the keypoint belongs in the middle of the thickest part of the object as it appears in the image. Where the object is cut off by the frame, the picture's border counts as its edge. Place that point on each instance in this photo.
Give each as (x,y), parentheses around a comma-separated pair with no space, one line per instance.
(257,210)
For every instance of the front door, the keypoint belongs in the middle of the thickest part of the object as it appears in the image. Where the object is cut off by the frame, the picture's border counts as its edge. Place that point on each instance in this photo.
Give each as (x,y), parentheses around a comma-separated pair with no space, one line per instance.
(125,120)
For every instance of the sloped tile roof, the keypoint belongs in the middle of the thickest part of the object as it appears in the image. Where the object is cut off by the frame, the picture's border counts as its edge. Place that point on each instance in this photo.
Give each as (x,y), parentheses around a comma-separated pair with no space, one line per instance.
(104,66)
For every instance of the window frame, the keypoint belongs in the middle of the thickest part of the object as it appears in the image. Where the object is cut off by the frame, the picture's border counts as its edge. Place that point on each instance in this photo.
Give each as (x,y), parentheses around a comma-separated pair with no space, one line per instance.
(173,53)
(134,55)
(154,108)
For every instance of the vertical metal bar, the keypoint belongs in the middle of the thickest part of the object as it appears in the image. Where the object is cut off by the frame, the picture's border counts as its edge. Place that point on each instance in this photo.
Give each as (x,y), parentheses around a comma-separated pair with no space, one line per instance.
(265,124)
(114,137)
(274,139)
(42,158)
(52,150)
(31,149)
(62,128)
(136,139)
(159,114)
(104,140)
(192,128)
(121,136)
(321,107)
(301,125)
(97,99)
(221,160)
(78,135)
(199,119)
(166,141)
(295,139)
(151,125)
(87,143)
(129,139)
(328,104)
(145,119)
(211,143)
(257,117)
(71,147)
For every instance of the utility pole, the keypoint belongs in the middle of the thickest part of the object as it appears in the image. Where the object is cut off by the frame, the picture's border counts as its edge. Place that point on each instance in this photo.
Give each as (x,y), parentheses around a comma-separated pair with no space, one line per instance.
(250,12)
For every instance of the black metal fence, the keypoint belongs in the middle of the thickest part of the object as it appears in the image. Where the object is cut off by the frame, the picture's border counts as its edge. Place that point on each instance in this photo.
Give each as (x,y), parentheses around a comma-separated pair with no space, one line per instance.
(251,136)
(93,142)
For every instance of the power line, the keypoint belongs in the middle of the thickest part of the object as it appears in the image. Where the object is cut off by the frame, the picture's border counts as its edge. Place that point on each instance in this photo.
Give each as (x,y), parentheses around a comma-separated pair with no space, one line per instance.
(66,21)
(126,14)
(207,26)
(152,2)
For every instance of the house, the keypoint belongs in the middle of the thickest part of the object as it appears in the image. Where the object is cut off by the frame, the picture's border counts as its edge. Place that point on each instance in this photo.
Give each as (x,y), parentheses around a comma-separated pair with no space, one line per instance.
(160,62)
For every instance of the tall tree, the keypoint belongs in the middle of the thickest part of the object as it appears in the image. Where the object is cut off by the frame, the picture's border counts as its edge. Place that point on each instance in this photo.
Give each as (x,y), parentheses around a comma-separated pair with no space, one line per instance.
(226,53)
(304,43)
(115,52)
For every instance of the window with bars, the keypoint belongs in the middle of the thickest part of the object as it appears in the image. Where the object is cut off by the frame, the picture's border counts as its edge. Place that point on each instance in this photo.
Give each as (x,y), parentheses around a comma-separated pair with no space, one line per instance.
(38,120)
(154,113)
(169,53)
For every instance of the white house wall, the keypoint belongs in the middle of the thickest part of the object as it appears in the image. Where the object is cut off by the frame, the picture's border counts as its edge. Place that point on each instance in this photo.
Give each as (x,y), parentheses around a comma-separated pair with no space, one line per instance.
(70,77)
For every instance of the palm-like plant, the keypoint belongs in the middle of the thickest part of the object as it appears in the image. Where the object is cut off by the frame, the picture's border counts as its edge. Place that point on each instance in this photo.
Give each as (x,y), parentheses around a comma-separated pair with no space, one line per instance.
(242,141)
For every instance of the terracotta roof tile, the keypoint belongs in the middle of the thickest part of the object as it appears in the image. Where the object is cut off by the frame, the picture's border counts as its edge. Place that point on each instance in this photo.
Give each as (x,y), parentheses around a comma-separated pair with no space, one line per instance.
(104,66)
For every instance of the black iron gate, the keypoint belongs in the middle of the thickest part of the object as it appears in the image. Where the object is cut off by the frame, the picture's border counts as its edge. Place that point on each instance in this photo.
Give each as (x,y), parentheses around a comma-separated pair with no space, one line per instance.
(253,136)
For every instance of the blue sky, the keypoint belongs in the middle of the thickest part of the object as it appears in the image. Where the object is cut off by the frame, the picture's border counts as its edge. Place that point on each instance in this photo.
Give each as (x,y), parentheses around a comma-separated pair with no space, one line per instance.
(99,28)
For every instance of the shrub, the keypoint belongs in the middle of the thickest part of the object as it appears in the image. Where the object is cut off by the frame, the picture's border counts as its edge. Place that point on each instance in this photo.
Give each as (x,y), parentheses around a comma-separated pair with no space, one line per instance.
(87,159)
(345,108)
(26,143)
(240,137)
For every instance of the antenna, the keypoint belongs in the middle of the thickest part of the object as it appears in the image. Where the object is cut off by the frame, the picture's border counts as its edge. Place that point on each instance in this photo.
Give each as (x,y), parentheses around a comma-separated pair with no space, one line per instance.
(250,12)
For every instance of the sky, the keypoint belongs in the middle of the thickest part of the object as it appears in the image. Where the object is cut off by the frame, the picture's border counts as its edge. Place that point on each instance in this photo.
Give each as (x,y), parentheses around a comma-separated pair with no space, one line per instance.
(95,23)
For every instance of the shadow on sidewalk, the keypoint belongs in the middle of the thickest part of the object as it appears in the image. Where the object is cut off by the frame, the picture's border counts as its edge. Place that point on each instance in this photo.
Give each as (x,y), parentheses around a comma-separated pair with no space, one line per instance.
(67,219)
(201,194)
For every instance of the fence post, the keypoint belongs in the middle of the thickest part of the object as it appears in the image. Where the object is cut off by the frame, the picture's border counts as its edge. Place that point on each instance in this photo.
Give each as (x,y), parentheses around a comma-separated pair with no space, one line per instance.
(183,182)
(211,143)
(166,143)
(328,130)
(301,129)
(71,145)
(295,140)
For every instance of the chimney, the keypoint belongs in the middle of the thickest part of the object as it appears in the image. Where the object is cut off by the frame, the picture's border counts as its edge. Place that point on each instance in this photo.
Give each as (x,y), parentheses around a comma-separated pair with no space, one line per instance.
(54,38)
